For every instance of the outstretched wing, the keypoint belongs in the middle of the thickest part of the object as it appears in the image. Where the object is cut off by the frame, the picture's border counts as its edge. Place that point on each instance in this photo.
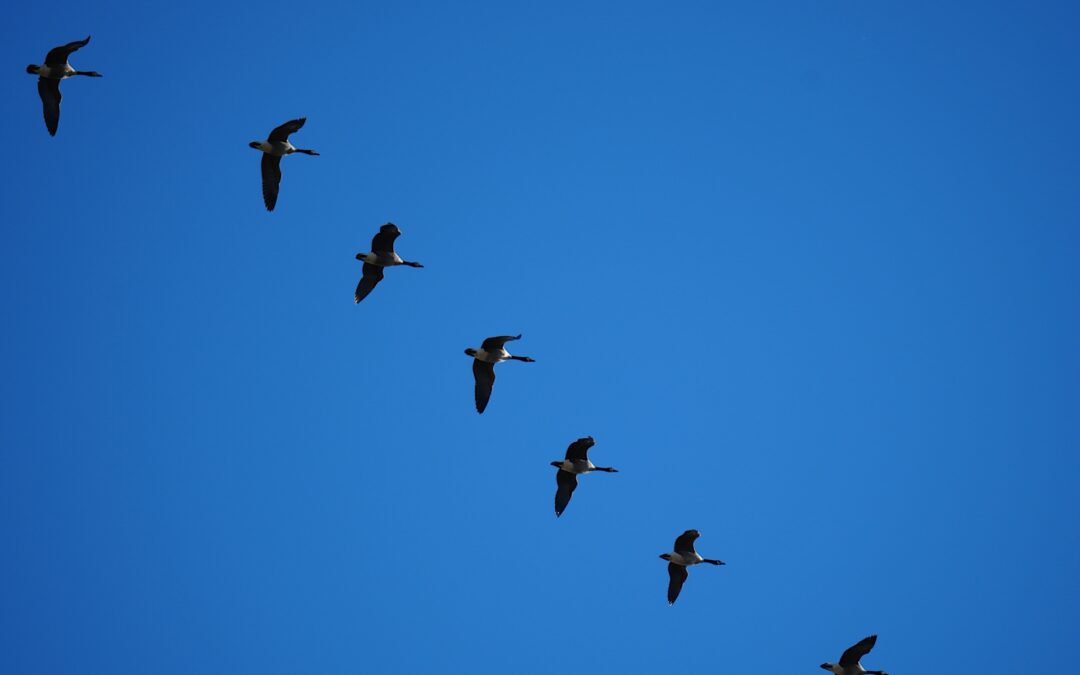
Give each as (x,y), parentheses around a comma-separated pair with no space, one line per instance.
(498,341)
(678,575)
(291,127)
(383,242)
(59,55)
(373,274)
(271,179)
(567,483)
(49,91)
(579,449)
(484,373)
(684,543)
(855,652)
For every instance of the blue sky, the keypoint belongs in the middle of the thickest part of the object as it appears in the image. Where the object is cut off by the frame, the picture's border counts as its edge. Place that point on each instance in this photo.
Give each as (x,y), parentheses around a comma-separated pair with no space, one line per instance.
(806,271)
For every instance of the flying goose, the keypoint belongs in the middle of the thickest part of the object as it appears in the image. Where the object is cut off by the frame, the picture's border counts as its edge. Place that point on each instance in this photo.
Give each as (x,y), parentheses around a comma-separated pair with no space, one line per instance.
(577,461)
(849,660)
(382,255)
(491,352)
(276,147)
(56,68)
(683,557)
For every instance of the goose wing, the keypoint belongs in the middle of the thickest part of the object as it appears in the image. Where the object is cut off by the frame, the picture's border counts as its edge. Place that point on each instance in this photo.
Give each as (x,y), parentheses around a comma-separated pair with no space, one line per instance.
(373,274)
(484,374)
(684,543)
(291,127)
(854,653)
(271,179)
(498,342)
(59,55)
(678,574)
(567,483)
(49,91)
(579,449)
(384,240)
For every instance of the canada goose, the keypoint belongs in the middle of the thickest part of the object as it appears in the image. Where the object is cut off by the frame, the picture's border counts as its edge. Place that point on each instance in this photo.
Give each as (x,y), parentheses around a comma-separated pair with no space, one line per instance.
(683,557)
(577,461)
(382,255)
(484,359)
(56,68)
(849,660)
(274,148)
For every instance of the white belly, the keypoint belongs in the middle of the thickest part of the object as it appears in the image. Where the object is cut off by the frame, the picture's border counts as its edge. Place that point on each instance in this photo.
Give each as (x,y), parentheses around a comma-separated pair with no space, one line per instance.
(685,558)
(58,72)
(577,467)
(493,356)
(277,148)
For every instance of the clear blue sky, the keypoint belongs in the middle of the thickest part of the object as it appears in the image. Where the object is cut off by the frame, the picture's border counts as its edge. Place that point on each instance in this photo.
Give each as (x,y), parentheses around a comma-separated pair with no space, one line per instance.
(807,271)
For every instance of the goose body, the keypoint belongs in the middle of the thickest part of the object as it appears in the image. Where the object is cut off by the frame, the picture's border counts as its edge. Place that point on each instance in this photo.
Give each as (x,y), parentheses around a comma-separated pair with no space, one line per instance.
(381,258)
(492,351)
(382,255)
(273,149)
(573,465)
(682,557)
(50,74)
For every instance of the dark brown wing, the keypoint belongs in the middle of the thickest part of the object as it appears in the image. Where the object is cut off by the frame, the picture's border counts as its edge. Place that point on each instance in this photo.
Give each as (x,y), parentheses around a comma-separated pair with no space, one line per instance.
(857,651)
(678,575)
(484,373)
(291,127)
(271,179)
(49,91)
(59,55)
(383,242)
(567,483)
(685,541)
(373,274)
(498,342)
(579,449)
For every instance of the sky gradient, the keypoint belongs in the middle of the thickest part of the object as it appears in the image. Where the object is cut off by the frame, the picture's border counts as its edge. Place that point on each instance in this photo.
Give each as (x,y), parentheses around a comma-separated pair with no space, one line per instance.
(807,272)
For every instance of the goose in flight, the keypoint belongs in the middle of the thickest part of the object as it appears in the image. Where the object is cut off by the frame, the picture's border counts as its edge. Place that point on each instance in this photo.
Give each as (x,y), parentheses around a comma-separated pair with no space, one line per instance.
(576,462)
(56,68)
(492,351)
(273,149)
(382,255)
(683,557)
(849,660)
